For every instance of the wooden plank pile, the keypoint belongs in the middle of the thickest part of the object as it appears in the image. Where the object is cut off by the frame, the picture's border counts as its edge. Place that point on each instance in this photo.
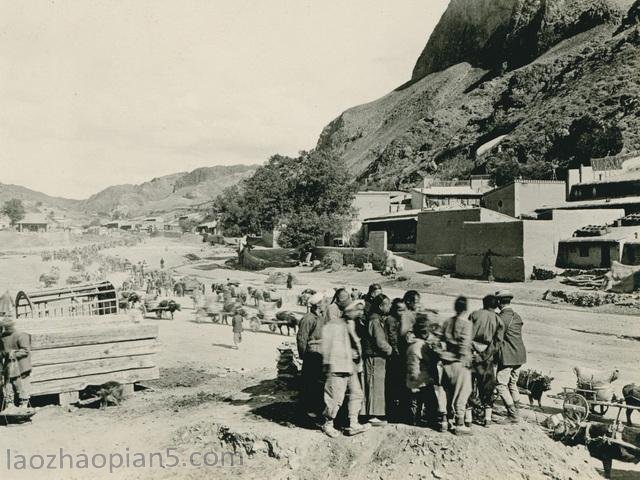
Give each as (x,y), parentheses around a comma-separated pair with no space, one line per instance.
(68,354)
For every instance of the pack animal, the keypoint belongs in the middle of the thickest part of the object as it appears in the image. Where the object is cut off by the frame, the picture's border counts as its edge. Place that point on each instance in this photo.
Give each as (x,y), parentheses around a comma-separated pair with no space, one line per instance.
(631,394)
(290,321)
(535,383)
(600,442)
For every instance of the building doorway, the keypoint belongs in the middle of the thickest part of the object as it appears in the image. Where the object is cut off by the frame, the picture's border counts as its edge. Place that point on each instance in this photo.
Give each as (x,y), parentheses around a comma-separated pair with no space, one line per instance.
(605,256)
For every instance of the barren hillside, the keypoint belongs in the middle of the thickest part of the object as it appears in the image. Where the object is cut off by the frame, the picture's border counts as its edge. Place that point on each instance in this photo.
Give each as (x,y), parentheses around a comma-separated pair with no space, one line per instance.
(524,68)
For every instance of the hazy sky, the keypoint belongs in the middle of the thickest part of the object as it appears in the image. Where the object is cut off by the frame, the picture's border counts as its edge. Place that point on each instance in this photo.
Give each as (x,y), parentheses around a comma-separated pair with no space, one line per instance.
(99,92)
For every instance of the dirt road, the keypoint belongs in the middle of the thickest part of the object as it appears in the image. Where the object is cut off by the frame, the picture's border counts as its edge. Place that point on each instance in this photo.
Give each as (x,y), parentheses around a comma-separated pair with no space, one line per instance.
(213,398)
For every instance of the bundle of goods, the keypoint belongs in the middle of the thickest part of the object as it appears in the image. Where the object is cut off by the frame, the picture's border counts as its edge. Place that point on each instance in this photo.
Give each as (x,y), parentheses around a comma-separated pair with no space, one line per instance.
(289,363)
(598,382)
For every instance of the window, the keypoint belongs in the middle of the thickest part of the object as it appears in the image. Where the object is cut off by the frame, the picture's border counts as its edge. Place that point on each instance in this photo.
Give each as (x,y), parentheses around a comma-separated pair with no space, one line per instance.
(584,250)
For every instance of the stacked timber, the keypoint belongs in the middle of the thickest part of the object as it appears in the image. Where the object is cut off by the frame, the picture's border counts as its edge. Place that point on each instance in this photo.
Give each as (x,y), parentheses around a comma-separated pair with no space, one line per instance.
(289,363)
(69,354)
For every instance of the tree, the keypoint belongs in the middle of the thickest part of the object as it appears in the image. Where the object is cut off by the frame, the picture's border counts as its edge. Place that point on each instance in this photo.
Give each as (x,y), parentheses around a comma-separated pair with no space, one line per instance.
(503,169)
(188,225)
(304,229)
(14,209)
(311,194)
(587,138)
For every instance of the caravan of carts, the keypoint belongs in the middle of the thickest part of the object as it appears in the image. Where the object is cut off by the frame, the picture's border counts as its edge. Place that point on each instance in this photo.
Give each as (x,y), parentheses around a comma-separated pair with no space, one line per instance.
(258,311)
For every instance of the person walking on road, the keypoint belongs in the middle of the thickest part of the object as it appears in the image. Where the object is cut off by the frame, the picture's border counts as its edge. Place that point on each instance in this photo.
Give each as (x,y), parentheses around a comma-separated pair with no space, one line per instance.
(236,323)
(512,354)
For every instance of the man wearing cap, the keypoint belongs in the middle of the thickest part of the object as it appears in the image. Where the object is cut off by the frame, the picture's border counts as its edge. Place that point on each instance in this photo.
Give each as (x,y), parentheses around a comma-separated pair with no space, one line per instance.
(341,357)
(309,339)
(15,351)
(512,354)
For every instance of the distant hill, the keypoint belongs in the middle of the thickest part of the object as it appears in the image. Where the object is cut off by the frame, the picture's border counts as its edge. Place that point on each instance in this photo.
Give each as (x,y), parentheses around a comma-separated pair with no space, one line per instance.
(162,194)
(32,197)
(169,192)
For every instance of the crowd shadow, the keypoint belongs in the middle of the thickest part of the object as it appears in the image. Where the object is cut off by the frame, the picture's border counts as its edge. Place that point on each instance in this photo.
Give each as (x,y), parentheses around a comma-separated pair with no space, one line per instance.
(277,402)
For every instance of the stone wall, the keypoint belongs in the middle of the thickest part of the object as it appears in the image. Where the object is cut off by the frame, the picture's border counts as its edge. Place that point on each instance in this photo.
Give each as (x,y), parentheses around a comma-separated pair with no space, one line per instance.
(502,238)
(442,231)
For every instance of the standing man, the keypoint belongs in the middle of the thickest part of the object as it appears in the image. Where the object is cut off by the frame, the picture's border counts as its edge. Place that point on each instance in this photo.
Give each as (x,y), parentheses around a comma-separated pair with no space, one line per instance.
(485,339)
(511,355)
(15,351)
(309,339)
(289,281)
(341,355)
(456,358)
(411,299)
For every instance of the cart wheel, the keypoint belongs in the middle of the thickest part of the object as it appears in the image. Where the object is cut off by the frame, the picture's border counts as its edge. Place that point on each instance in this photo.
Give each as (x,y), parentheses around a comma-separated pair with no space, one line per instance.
(215,318)
(575,407)
(272,327)
(600,410)
(254,324)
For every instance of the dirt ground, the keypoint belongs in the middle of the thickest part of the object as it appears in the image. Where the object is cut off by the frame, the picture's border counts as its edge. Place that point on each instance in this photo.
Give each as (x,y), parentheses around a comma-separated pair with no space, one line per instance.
(212,398)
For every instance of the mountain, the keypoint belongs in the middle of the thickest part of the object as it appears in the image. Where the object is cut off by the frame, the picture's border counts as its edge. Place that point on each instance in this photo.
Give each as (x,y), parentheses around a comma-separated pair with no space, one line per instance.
(518,73)
(168,192)
(32,197)
(161,194)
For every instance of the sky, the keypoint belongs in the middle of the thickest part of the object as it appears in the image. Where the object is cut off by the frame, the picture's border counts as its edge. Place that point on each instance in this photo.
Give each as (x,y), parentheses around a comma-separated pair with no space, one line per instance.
(101,92)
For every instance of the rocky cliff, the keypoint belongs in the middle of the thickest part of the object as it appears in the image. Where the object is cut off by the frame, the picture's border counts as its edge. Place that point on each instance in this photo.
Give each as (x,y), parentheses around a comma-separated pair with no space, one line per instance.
(526,69)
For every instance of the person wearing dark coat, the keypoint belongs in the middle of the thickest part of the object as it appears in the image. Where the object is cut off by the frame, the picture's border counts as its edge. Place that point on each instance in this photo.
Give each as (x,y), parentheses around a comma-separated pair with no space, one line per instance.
(309,340)
(395,388)
(512,354)
(375,351)
(15,351)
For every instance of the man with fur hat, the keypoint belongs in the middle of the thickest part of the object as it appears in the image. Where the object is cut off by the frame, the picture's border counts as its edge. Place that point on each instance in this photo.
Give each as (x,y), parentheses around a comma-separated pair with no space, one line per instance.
(512,354)
(341,357)
(15,351)
(309,340)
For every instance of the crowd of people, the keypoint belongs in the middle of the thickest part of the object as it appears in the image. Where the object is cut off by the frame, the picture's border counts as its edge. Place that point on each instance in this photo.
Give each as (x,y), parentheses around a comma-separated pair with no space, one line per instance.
(393,360)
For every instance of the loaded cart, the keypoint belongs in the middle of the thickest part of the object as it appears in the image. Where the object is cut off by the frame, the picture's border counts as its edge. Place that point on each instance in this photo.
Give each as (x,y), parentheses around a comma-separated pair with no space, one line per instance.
(269,315)
(593,392)
(605,441)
